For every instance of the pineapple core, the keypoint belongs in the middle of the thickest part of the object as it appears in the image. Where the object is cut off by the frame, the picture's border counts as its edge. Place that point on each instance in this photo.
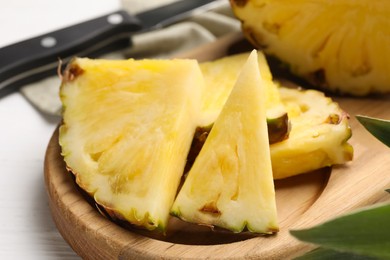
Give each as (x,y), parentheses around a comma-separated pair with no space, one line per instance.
(127,129)
(230,184)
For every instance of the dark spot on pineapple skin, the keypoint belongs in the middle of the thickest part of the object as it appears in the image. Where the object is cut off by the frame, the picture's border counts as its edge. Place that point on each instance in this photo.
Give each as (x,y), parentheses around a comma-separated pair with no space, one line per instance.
(318,78)
(278,129)
(72,72)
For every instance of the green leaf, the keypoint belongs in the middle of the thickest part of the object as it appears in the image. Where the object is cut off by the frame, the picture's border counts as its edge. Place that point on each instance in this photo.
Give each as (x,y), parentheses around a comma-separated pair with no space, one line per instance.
(326,254)
(365,232)
(377,127)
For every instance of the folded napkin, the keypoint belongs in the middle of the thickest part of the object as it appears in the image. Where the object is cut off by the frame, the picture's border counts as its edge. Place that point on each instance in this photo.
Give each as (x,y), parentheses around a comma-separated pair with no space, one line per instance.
(168,42)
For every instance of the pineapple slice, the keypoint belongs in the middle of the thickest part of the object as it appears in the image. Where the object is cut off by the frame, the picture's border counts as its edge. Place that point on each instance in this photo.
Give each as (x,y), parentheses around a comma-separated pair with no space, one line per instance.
(127,128)
(230,184)
(220,76)
(336,45)
(318,136)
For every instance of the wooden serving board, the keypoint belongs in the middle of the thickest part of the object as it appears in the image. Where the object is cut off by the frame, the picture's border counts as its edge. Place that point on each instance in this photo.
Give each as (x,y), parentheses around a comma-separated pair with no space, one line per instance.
(302,201)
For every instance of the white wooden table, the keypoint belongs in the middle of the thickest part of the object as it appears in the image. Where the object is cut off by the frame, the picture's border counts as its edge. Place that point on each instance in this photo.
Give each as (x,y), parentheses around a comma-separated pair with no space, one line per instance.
(27,230)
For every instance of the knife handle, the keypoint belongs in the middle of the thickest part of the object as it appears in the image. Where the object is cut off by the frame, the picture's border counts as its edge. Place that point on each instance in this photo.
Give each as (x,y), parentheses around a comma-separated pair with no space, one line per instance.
(33,59)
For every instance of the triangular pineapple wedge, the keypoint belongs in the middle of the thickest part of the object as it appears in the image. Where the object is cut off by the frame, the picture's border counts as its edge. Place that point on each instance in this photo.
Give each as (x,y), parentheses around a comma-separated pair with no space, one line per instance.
(127,128)
(230,184)
(220,76)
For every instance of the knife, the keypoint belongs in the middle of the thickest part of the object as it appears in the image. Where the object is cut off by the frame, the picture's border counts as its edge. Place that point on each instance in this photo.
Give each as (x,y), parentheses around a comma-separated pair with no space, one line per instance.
(36,58)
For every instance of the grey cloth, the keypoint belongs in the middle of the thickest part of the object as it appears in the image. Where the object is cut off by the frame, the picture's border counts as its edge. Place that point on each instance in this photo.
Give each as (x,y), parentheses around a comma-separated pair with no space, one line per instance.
(168,42)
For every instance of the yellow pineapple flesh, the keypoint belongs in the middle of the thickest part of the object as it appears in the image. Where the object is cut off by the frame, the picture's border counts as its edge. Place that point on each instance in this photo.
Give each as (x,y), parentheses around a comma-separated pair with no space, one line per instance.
(337,45)
(230,184)
(127,128)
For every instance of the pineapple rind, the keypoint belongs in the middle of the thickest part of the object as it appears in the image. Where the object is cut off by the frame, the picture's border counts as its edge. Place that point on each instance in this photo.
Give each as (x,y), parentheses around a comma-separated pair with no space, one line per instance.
(124,142)
(336,46)
(230,184)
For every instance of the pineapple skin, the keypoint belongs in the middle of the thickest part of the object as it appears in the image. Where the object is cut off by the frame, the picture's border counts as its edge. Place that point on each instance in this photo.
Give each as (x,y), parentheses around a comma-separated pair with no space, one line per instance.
(338,46)
(127,128)
(230,184)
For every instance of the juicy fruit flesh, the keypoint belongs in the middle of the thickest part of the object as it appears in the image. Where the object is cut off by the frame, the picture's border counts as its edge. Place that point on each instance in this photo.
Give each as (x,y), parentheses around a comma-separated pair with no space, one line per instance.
(339,46)
(230,184)
(124,142)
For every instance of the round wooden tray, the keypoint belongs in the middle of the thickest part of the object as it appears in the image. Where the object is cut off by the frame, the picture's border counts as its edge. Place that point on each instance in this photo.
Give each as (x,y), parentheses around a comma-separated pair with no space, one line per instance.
(302,201)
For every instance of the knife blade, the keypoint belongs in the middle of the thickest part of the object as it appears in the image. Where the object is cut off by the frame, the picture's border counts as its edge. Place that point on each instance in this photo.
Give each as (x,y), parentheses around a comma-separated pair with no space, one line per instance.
(36,58)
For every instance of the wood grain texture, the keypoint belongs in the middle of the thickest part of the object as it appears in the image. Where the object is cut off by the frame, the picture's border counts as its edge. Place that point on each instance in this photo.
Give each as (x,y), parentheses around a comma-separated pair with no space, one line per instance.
(302,201)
